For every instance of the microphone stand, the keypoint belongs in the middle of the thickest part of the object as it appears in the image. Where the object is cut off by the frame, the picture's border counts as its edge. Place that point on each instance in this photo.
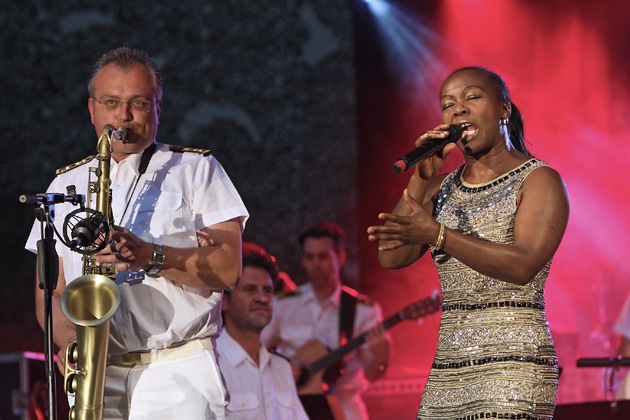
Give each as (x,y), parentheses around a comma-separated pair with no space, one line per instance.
(48,272)
(606,362)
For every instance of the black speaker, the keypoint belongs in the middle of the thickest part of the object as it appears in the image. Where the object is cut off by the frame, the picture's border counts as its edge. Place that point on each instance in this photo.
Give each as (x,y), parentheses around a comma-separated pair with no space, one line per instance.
(24,387)
(597,410)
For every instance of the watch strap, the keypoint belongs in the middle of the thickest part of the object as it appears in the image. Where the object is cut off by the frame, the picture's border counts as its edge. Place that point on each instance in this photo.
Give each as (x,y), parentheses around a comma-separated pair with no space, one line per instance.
(157,260)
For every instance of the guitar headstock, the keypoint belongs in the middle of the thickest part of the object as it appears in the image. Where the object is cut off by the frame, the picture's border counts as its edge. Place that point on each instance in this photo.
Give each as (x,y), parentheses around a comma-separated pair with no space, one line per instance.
(422,307)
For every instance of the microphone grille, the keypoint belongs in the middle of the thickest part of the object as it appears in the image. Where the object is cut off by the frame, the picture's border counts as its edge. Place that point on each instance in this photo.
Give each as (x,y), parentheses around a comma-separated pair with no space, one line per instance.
(455,131)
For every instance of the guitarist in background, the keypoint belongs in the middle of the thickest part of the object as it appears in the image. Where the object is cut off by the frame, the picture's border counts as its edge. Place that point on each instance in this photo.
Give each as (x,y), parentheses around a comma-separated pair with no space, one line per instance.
(322,315)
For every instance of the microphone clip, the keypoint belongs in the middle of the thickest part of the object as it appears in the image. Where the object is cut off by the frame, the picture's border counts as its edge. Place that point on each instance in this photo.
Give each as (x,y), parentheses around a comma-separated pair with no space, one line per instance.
(85,231)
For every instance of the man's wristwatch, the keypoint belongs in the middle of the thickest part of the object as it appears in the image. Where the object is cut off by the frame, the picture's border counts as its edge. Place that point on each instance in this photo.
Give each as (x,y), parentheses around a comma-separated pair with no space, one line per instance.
(157,260)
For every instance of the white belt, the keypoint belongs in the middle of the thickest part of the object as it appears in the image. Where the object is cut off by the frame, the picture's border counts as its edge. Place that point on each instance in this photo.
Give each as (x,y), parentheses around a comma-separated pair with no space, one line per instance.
(175,351)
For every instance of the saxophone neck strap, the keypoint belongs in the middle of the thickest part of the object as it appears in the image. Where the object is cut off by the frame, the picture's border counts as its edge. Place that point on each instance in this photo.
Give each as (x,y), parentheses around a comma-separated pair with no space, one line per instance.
(142,168)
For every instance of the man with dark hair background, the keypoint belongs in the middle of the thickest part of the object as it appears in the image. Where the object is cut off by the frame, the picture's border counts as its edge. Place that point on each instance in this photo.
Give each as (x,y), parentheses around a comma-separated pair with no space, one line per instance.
(260,383)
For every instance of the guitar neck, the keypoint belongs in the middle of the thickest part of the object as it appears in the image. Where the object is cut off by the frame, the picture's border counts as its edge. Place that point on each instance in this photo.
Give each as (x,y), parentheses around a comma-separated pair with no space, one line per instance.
(338,353)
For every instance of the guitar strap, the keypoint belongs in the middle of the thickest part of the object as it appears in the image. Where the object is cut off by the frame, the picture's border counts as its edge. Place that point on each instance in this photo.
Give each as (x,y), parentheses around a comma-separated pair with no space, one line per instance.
(347,311)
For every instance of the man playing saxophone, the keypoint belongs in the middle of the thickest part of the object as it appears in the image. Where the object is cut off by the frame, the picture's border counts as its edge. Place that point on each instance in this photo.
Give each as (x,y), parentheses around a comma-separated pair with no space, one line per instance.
(176,245)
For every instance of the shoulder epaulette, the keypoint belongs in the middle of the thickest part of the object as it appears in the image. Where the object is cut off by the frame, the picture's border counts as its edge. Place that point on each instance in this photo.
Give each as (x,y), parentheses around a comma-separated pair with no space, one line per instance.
(287,293)
(74,165)
(365,300)
(276,353)
(184,149)
(361,298)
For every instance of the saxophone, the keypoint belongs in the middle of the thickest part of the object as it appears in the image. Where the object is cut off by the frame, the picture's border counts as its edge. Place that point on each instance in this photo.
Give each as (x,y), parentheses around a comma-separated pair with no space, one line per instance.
(92,299)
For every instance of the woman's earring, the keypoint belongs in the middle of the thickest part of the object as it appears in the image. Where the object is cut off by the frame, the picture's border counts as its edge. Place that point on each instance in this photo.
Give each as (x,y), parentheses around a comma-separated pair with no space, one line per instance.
(503,121)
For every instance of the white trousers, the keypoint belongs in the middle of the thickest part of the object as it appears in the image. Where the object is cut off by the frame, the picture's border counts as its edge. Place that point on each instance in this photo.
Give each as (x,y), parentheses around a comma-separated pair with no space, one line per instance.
(353,407)
(189,387)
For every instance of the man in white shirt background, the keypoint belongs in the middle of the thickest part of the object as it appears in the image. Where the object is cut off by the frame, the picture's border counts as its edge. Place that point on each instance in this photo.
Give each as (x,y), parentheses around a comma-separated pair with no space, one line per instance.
(260,384)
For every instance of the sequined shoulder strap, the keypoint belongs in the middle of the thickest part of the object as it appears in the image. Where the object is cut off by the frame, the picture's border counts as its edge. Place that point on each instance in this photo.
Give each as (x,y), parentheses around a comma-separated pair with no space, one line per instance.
(447,182)
(519,174)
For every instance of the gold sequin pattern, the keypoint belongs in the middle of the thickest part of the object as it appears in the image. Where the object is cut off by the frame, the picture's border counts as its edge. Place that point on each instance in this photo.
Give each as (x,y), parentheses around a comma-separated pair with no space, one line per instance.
(495,356)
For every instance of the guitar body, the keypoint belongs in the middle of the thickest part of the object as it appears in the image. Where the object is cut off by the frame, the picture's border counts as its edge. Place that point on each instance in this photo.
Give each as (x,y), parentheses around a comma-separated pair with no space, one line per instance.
(312,384)
(322,366)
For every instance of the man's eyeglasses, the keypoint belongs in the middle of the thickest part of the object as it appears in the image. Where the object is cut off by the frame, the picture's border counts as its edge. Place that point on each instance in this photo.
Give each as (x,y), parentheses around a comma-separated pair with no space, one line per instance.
(136,104)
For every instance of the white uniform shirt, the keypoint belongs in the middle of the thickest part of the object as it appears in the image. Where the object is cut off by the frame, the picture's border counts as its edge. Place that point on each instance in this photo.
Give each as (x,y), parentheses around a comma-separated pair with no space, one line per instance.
(299,318)
(179,194)
(263,392)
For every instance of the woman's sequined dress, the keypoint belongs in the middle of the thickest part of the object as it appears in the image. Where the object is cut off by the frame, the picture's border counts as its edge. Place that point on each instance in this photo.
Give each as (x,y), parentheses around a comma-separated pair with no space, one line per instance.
(495,356)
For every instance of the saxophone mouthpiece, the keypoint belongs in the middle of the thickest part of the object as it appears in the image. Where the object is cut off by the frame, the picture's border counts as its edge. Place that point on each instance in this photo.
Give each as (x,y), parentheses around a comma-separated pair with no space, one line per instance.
(115,134)
(120,134)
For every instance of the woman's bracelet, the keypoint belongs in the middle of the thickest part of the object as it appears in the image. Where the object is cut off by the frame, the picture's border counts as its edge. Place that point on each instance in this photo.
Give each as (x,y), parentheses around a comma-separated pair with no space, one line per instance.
(439,243)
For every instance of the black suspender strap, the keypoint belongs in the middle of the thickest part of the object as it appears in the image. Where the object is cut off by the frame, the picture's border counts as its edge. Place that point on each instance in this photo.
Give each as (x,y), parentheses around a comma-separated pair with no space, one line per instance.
(347,310)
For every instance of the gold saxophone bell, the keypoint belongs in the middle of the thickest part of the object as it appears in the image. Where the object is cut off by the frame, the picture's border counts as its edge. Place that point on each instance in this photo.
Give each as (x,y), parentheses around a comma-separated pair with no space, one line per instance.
(88,301)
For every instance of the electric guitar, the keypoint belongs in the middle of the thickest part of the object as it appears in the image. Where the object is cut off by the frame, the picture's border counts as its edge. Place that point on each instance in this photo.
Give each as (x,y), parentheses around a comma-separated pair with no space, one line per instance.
(316,359)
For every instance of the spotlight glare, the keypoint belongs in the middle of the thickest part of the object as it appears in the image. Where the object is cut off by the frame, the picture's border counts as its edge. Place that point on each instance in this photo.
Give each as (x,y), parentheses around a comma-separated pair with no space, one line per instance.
(408,42)
(378,7)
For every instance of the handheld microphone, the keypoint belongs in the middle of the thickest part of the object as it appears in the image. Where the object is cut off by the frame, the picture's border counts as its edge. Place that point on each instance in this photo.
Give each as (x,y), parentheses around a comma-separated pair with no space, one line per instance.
(87,231)
(427,149)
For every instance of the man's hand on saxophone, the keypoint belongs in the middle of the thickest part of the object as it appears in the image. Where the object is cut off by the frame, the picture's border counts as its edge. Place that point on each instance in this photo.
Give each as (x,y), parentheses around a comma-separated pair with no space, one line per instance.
(218,246)
(126,251)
